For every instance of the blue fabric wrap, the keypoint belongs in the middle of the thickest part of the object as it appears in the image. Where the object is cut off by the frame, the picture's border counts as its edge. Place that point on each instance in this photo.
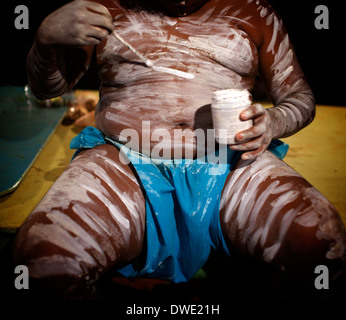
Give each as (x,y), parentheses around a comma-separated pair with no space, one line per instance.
(182,207)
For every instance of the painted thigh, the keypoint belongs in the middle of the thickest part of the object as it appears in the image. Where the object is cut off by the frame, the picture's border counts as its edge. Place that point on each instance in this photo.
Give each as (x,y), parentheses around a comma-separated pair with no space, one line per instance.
(92,219)
(268,211)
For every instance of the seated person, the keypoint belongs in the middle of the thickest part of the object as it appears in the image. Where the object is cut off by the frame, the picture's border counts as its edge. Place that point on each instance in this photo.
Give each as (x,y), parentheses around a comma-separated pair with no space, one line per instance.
(154,210)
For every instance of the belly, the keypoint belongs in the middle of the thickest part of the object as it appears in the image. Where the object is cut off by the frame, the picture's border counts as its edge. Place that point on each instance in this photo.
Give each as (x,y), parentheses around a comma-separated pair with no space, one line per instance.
(165,121)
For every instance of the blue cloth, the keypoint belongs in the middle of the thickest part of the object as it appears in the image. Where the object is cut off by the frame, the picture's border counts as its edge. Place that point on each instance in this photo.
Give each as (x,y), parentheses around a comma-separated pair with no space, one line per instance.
(182,207)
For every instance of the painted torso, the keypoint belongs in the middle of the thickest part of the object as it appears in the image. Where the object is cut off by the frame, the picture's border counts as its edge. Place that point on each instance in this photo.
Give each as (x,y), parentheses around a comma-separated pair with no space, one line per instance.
(214,44)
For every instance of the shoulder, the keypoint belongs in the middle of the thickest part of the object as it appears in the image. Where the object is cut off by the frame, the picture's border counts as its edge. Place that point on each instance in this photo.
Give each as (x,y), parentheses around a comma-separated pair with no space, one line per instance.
(257,17)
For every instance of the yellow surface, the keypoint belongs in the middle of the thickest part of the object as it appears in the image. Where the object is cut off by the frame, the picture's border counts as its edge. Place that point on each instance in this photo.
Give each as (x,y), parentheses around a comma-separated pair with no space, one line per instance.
(318,153)
(51,162)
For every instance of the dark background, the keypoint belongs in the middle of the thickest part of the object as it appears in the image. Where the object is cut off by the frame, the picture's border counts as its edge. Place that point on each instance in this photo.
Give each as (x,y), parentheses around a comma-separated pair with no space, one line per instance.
(321,53)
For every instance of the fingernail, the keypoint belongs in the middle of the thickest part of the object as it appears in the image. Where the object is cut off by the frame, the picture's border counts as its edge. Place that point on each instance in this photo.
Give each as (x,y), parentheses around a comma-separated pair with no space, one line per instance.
(240,137)
(245,115)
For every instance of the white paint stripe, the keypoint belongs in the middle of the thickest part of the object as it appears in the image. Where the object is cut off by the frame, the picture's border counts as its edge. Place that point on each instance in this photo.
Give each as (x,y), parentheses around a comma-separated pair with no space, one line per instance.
(72,227)
(61,238)
(106,244)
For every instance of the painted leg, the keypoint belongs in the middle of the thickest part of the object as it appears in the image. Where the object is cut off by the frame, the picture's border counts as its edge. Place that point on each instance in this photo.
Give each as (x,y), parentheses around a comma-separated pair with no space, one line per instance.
(269,212)
(92,219)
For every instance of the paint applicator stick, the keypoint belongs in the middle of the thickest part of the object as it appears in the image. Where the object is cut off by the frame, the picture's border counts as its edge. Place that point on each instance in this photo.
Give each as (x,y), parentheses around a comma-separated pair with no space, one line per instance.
(147,61)
(150,64)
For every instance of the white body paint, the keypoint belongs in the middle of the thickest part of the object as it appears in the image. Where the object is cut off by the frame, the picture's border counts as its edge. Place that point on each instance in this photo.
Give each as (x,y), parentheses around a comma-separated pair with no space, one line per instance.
(87,214)
(96,188)
(208,52)
(243,187)
(150,64)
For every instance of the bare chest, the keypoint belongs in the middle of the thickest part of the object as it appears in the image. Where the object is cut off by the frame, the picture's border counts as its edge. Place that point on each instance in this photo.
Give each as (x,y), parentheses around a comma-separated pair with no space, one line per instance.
(205,43)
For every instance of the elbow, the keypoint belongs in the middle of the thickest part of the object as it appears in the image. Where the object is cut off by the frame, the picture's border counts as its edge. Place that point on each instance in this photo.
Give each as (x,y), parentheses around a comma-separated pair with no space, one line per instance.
(44,81)
(39,91)
(310,105)
(44,89)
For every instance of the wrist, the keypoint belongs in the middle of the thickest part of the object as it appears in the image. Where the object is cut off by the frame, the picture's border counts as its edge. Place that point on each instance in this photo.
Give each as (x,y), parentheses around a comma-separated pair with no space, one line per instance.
(276,124)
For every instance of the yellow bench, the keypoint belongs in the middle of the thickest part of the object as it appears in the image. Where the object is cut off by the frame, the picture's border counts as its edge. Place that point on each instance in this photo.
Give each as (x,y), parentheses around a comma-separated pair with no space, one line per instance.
(318,153)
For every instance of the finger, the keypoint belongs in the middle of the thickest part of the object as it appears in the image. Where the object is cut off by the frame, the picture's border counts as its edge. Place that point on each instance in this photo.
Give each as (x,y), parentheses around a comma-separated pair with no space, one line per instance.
(253,154)
(84,40)
(251,112)
(96,14)
(97,33)
(105,23)
(98,8)
(258,129)
(89,41)
(249,145)
(102,22)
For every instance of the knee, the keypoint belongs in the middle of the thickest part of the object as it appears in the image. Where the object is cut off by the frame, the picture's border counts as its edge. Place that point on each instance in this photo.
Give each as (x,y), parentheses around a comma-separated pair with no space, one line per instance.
(59,277)
(54,272)
(315,237)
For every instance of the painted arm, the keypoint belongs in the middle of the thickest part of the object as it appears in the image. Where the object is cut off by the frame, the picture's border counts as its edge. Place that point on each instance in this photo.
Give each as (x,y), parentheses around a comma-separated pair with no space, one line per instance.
(286,84)
(294,105)
(63,47)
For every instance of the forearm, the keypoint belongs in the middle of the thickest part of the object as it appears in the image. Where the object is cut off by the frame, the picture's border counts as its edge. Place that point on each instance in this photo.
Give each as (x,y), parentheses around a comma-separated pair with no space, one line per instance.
(53,70)
(44,77)
(292,113)
(63,46)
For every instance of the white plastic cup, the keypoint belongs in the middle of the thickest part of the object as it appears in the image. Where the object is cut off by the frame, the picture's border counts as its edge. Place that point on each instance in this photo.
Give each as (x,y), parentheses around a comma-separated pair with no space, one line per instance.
(226,107)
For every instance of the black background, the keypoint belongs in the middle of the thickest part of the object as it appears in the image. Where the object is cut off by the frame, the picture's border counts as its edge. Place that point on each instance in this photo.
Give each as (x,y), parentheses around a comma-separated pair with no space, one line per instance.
(321,53)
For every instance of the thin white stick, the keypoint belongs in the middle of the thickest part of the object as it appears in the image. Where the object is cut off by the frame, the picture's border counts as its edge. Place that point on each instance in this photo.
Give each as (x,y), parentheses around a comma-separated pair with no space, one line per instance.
(147,61)
(150,64)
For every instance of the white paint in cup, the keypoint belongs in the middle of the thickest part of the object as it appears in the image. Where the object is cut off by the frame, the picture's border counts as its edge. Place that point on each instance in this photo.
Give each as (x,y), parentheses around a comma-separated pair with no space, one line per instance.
(227,104)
